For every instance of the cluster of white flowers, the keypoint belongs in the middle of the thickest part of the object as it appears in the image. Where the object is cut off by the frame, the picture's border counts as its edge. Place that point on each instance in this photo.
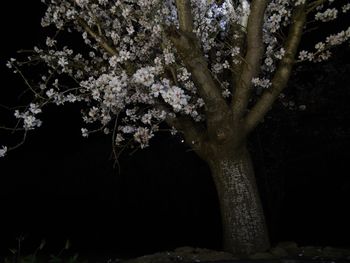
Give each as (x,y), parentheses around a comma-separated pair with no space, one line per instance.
(30,121)
(142,135)
(144,76)
(171,94)
(346,8)
(277,15)
(183,75)
(327,15)
(123,55)
(212,19)
(169,57)
(263,83)
(305,55)
(322,51)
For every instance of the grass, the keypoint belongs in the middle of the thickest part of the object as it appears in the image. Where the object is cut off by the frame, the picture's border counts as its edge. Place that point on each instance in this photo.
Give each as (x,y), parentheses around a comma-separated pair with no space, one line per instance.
(63,256)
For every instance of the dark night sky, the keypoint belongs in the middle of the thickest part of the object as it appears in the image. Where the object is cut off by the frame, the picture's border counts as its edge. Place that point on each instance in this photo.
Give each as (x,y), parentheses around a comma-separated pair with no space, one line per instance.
(59,185)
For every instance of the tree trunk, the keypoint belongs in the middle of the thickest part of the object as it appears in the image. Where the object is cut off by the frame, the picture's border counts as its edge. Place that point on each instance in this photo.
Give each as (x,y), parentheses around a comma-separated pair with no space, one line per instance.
(243,222)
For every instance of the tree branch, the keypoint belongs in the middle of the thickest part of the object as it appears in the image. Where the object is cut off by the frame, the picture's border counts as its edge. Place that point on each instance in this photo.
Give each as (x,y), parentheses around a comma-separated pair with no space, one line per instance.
(190,51)
(110,50)
(238,39)
(313,5)
(104,44)
(194,135)
(255,51)
(188,47)
(283,72)
(185,15)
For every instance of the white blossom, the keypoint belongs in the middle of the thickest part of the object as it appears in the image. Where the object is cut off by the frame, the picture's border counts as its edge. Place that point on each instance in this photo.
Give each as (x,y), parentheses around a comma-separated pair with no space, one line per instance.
(50,93)
(346,8)
(119,138)
(264,83)
(144,76)
(142,136)
(50,42)
(84,132)
(173,131)
(226,93)
(3,151)
(62,61)
(34,108)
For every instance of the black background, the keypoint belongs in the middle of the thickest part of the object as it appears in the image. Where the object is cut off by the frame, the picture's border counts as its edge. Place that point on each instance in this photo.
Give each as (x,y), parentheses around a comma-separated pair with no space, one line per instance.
(59,185)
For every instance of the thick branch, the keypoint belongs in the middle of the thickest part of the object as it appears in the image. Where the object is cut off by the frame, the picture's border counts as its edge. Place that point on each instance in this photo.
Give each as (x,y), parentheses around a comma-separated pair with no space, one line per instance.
(190,51)
(251,65)
(194,135)
(185,15)
(187,45)
(283,72)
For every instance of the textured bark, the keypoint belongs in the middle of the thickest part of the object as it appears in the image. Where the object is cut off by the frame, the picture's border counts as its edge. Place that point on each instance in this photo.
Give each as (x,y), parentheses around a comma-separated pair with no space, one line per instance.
(244,227)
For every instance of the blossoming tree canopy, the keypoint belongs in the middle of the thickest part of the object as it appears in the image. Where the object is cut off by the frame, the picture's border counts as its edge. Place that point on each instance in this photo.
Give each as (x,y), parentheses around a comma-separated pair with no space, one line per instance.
(130,72)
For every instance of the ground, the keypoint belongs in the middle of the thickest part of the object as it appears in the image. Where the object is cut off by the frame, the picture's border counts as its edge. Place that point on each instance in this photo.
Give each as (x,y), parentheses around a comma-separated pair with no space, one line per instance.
(289,251)
(285,252)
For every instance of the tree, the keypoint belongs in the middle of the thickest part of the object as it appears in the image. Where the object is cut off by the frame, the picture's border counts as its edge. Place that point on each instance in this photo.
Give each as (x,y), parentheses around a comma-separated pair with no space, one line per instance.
(210,70)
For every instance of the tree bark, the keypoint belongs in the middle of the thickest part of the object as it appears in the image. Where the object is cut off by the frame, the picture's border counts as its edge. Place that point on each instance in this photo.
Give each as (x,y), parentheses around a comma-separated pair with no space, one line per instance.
(243,222)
